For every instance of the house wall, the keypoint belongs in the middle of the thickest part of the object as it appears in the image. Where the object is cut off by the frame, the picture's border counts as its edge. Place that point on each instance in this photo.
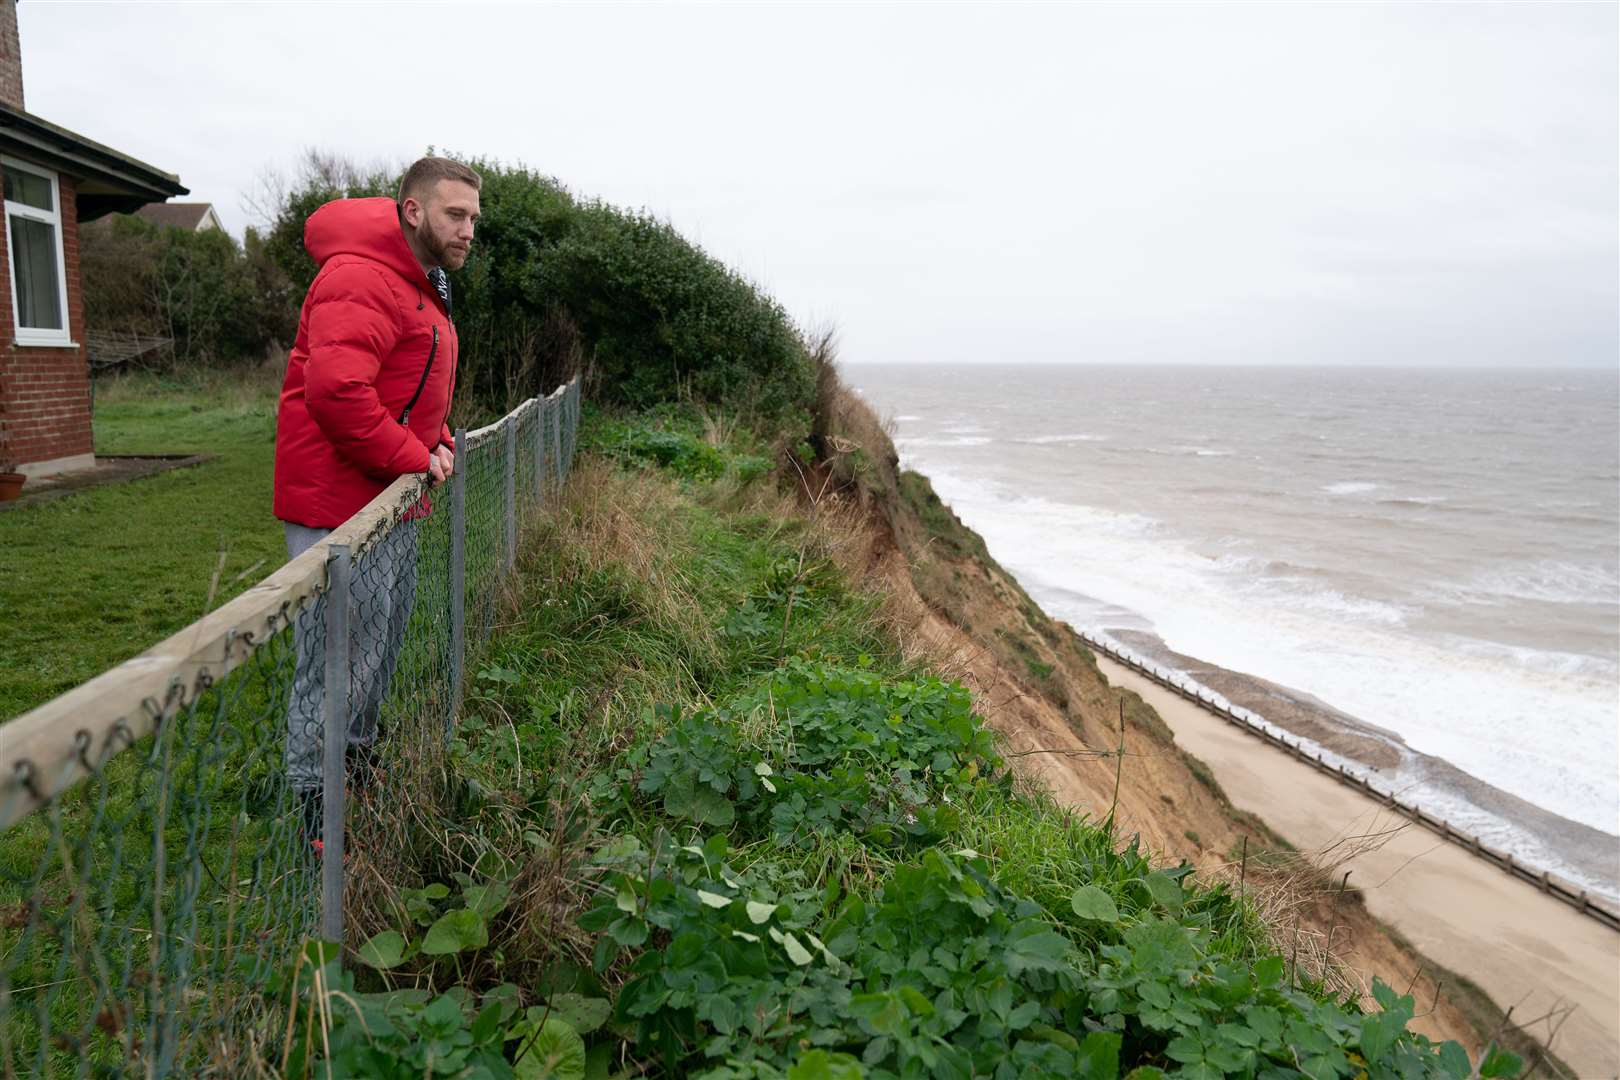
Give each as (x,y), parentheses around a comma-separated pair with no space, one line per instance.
(45,391)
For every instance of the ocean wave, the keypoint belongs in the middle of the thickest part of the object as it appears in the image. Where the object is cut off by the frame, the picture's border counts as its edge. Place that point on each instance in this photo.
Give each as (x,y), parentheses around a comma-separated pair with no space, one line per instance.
(1544,580)
(1042,440)
(1352,458)
(908,418)
(1423,501)
(1579,520)
(1031,525)
(1358,652)
(954,440)
(1439,504)
(1350,487)
(1185,451)
(1303,596)
(1563,667)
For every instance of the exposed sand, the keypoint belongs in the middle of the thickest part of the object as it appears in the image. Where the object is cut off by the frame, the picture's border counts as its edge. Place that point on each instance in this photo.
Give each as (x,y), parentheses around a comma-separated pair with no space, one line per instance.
(1594,855)
(1524,948)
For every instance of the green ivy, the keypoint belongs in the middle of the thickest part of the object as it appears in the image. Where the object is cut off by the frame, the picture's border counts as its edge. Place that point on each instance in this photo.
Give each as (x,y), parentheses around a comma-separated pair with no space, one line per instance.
(844,751)
(945,974)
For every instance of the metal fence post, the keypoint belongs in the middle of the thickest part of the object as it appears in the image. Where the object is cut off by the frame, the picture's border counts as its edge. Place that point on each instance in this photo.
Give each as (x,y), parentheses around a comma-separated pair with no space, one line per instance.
(458,575)
(556,441)
(335,740)
(511,494)
(540,450)
(573,421)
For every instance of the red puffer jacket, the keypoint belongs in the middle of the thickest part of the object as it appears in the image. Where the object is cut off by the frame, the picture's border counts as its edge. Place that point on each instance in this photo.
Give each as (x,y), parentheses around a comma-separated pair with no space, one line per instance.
(371,372)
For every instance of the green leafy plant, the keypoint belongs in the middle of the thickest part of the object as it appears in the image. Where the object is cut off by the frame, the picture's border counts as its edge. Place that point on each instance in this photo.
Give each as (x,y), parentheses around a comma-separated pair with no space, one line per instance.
(672,442)
(848,752)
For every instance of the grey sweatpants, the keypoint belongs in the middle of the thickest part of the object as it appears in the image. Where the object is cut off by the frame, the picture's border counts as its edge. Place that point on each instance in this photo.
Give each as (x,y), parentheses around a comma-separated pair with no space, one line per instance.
(382,590)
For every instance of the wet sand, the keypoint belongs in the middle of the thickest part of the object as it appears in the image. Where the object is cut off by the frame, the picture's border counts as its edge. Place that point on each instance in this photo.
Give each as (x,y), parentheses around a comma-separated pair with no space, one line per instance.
(1536,836)
(1524,948)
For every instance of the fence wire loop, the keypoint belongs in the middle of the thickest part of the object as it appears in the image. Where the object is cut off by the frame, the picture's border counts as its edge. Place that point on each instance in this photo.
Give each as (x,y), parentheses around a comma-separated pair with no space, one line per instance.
(23,774)
(82,741)
(119,732)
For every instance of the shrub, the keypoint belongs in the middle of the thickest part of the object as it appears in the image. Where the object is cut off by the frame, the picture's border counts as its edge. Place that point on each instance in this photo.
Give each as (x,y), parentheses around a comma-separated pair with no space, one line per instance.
(221,302)
(553,279)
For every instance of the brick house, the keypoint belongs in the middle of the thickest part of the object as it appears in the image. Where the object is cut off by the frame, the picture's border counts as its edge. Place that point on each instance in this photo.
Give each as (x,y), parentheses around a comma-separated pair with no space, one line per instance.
(54,179)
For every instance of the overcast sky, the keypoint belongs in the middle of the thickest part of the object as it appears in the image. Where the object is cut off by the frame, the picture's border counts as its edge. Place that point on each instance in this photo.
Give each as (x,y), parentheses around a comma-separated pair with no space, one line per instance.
(1256,183)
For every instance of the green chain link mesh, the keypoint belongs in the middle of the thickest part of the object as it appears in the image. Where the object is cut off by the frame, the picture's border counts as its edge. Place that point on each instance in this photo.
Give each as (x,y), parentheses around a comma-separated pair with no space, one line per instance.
(144,909)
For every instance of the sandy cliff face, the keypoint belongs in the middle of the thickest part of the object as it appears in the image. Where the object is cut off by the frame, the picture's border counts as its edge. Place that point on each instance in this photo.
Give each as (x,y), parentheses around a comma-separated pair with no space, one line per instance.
(1062,723)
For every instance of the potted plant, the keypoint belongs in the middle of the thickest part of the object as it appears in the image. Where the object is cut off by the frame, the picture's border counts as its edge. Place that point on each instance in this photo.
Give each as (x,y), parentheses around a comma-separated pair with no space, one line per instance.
(11,481)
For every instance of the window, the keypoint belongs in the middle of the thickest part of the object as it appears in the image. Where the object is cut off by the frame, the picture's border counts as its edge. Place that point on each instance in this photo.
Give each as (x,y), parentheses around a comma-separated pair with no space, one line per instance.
(34,238)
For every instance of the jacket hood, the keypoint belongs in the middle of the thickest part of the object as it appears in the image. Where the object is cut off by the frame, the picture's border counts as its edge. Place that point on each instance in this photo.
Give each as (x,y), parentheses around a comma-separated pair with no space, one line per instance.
(368,228)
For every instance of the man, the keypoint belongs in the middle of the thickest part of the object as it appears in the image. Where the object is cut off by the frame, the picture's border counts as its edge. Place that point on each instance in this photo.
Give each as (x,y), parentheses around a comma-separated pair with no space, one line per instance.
(366,399)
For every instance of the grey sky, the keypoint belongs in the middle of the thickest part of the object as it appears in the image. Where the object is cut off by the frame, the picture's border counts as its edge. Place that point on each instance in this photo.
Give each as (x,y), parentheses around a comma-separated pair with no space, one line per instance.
(1122,183)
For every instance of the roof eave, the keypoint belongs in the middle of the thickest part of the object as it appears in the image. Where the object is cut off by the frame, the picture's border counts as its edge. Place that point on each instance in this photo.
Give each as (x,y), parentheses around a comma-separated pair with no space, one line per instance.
(117,182)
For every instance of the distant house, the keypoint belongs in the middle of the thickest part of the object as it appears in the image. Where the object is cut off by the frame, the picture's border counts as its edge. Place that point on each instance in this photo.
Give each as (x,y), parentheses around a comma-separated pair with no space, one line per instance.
(54,179)
(190,216)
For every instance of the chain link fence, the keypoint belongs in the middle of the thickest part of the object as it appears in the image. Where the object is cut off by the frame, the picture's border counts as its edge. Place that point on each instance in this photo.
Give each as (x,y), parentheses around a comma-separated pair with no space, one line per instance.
(173,830)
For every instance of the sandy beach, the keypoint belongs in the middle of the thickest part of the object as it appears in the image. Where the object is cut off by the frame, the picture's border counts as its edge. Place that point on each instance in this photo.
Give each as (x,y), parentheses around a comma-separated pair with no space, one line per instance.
(1587,857)
(1525,949)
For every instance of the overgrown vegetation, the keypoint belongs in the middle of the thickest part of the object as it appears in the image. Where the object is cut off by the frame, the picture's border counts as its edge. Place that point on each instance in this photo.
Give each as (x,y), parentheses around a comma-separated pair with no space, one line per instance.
(556,282)
(688,446)
(942,524)
(705,818)
(223,304)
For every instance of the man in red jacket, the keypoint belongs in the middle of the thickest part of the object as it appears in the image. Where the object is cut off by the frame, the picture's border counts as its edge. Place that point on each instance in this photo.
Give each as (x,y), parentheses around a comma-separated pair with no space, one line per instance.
(366,399)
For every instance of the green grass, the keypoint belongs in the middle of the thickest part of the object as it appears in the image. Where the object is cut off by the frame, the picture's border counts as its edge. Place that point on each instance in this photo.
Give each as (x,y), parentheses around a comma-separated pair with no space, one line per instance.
(94,578)
(917,492)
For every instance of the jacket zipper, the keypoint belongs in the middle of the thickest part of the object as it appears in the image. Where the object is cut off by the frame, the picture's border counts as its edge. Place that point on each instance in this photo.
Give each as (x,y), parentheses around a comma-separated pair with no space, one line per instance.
(453,358)
(433,351)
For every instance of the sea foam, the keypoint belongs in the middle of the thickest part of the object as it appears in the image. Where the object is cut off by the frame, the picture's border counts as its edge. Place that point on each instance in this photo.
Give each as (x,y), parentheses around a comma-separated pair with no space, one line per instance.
(1485,716)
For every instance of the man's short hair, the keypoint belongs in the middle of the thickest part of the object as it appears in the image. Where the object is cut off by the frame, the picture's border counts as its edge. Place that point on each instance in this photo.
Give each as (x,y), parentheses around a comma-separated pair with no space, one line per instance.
(421,177)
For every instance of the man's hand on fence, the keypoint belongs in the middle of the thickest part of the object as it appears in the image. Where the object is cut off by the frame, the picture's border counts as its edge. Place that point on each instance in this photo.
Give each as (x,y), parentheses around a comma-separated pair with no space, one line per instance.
(441,464)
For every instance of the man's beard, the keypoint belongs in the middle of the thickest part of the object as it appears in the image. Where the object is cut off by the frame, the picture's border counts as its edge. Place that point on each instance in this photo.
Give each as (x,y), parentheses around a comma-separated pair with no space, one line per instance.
(443,252)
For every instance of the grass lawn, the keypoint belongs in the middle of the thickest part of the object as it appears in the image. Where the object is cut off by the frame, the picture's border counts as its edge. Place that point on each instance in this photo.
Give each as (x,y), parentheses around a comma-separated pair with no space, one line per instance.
(94,578)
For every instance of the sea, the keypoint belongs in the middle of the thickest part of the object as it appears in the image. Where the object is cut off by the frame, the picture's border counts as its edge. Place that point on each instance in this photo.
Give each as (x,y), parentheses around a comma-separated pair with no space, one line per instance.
(1433,553)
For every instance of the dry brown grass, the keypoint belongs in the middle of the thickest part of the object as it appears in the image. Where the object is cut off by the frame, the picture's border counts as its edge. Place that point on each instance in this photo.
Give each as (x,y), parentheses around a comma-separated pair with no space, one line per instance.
(842,526)
(607,520)
(1287,890)
(854,446)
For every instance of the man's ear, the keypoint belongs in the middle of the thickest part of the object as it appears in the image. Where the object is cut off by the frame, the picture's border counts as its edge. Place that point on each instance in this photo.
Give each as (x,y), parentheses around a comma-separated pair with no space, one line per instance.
(411,211)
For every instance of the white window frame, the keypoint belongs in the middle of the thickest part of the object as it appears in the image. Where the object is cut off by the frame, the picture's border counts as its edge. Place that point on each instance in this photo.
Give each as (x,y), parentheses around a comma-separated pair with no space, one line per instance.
(32,335)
